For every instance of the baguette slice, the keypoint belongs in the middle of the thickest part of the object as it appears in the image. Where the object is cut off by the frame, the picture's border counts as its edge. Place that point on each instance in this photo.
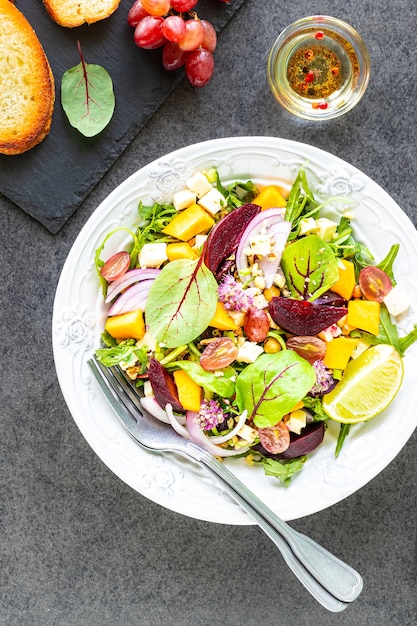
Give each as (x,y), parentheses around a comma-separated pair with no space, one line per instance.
(72,13)
(27,91)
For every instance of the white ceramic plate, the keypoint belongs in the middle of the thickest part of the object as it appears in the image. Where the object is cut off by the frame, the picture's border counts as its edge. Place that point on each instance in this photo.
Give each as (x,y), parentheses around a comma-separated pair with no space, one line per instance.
(79,317)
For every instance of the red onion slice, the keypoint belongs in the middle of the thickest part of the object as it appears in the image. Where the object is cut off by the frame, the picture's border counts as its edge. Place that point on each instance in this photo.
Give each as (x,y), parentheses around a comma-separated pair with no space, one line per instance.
(129,278)
(132,299)
(278,229)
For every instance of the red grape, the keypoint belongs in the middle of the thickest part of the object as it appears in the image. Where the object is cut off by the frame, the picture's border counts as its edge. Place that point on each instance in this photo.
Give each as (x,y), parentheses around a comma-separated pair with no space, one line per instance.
(374,283)
(183,5)
(193,37)
(148,33)
(220,353)
(116,266)
(210,36)
(136,13)
(173,28)
(199,67)
(156,7)
(172,57)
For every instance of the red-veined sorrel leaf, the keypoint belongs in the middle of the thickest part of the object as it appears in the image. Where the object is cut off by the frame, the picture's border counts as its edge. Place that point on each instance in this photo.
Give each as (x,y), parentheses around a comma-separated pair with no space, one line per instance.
(272,385)
(310,267)
(181,303)
(87,97)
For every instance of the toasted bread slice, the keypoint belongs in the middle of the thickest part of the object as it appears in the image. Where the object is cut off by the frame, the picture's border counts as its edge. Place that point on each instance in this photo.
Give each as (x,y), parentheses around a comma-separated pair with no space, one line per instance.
(27,92)
(72,13)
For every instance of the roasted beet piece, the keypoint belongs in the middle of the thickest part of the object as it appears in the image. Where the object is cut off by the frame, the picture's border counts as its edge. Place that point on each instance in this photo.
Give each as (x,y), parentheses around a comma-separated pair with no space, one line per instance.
(225,236)
(163,386)
(330,297)
(300,317)
(310,438)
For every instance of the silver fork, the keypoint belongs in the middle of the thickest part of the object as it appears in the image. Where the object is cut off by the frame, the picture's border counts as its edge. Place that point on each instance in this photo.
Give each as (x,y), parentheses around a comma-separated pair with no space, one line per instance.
(331,582)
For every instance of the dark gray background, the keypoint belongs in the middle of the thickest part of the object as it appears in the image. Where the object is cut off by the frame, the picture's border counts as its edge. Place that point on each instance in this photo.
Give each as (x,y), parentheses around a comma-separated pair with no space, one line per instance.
(78,546)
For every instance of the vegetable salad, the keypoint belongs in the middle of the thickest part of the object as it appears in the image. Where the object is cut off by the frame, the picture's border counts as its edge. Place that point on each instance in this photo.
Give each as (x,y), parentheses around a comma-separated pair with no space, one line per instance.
(238,311)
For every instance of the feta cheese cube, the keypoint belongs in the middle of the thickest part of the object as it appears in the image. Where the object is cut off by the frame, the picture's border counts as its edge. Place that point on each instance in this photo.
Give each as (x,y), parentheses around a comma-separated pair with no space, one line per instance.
(261,245)
(360,347)
(147,389)
(279,279)
(397,300)
(330,333)
(212,201)
(153,254)
(200,240)
(325,228)
(260,301)
(249,352)
(297,421)
(307,225)
(183,199)
(247,433)
(198,184)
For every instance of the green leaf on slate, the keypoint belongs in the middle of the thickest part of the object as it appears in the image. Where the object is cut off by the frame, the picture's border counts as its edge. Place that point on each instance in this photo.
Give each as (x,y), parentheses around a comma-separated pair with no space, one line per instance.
(87,98)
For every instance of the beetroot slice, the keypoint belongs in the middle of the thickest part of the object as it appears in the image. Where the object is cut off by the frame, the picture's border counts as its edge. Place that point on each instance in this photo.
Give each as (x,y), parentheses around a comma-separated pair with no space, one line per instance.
(163,385)
(300,445)
(300,317)
(311,437)
(225,236)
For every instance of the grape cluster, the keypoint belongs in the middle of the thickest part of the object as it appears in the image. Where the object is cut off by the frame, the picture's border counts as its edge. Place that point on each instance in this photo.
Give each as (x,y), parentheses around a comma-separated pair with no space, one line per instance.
(186,40)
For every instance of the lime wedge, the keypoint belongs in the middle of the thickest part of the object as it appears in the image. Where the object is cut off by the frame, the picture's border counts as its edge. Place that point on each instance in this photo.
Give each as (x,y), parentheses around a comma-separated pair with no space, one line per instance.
(368,385)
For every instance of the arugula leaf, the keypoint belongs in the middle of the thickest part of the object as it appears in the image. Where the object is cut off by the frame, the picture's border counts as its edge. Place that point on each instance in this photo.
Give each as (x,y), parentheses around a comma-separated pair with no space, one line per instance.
(315,406)
(236,193)
(222,385)
(388,332)
(87,97)
(310,267)
(408,340)
(283,470)
(343,433)
(153,220)
(386,265)
(181,302)
(125,352)
(271,386)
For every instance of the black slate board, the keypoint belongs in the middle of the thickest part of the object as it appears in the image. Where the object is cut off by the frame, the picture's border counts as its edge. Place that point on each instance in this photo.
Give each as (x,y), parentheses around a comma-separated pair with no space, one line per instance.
(50,181)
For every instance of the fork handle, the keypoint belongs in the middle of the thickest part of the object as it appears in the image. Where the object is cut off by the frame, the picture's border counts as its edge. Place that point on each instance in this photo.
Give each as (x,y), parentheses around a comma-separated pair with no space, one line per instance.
(335,576)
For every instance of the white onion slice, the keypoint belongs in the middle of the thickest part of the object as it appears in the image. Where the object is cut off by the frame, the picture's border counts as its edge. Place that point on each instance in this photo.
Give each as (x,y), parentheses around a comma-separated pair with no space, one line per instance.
(129,278)
(132,299)
(177,422)
(152,407)
(216,439)
(276,227)
(197,435)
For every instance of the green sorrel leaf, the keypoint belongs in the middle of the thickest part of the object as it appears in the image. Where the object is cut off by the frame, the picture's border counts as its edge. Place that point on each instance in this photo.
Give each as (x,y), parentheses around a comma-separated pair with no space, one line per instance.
(310,267)
(271,386)
(221,385)
(87,98)
(181,303)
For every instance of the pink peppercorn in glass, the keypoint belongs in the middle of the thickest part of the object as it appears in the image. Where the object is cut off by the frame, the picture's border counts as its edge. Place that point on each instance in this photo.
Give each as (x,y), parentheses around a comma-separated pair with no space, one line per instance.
(318,68)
